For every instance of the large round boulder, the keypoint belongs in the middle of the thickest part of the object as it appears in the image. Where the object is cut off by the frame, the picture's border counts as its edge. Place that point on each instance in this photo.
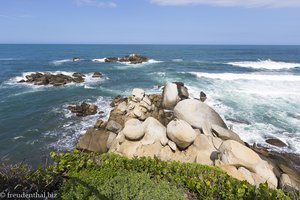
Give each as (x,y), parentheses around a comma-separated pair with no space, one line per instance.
(170,96)
(234,153)
(197,113)
(134,129)
(154,131)
(180,132)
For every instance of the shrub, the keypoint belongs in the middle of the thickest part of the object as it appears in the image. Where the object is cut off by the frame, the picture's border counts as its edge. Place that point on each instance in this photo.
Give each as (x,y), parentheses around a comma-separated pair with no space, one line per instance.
(205,181)
(19,178)
(108,184)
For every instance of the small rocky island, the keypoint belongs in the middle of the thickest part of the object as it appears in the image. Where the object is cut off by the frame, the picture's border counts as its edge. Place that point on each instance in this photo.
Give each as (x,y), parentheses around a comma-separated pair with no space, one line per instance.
(83,109)
(56,79)
(174,127)
(132,59)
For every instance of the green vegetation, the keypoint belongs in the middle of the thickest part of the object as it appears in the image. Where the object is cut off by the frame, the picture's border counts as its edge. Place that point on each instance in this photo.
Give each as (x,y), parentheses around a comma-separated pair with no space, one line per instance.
(78,175)
(130,98)
(194,181)
(19,178)
(107,184)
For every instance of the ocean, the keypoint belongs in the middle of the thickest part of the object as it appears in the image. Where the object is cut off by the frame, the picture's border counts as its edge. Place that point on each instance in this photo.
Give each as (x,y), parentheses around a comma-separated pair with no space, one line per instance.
(255,89)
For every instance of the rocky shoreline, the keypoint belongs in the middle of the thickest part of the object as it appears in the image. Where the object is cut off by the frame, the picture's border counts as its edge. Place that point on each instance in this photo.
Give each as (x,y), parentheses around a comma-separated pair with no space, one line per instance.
(173,126)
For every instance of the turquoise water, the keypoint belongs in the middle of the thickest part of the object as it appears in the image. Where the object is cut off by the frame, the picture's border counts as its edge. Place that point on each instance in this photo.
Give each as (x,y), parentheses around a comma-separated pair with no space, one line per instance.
(256,84)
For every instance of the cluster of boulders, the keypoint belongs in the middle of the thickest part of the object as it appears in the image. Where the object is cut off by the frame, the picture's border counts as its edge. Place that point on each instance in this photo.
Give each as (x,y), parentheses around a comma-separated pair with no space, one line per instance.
(173,126)
(56,79)
(83,109)
(132,59)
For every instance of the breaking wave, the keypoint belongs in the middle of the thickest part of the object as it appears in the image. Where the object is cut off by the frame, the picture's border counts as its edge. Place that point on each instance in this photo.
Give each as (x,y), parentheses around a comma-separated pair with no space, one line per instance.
(265,64)
(258,77)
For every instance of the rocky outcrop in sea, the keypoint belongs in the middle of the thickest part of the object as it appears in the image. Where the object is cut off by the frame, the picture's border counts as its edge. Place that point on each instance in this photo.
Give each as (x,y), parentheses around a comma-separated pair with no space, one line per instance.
(56,79)
(132,59)
(83,109)
(174,127)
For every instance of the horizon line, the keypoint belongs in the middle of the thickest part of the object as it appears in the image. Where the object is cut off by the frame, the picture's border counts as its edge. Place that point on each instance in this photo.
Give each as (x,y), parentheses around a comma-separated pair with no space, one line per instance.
(200,44)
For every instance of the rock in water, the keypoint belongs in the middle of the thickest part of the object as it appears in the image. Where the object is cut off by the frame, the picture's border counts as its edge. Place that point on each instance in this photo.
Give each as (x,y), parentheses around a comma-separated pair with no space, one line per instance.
(111,59)
(97,75)
(132,59)
(76,74)
(75,59)
(84,109)
(197,114)
(133,129)
(53,79)
(170,96)
(276,142)
(181,133)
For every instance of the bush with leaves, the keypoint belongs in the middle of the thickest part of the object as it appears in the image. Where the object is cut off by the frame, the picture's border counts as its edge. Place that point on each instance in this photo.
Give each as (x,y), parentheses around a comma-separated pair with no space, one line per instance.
(108,184)
(204,182)
(19,178)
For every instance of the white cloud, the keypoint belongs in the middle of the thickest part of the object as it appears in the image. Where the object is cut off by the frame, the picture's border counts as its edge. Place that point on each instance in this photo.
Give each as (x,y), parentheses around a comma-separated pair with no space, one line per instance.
(96,3)
(241,3)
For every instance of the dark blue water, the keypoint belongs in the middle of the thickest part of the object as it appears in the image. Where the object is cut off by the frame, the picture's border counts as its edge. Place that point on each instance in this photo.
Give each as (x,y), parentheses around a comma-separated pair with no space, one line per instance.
(258,84)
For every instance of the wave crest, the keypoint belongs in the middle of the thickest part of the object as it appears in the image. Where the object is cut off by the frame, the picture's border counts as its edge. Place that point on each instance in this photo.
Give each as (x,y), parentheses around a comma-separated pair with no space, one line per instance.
(101,60)
(265,64)
(259,77)
(60,62)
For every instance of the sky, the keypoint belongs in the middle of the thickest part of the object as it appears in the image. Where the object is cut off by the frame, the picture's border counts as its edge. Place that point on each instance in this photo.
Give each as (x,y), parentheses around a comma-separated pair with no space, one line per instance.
(150,21)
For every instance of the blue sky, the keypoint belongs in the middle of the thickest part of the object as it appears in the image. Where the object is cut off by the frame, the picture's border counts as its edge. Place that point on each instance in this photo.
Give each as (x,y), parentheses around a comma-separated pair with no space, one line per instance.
(150,21)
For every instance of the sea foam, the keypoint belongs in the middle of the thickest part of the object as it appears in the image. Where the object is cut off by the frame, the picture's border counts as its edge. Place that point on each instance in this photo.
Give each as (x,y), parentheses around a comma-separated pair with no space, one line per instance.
(7,59)
(269,113)
(74,127)
(101,60)
(265,64)
(60,62)
(258,77)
